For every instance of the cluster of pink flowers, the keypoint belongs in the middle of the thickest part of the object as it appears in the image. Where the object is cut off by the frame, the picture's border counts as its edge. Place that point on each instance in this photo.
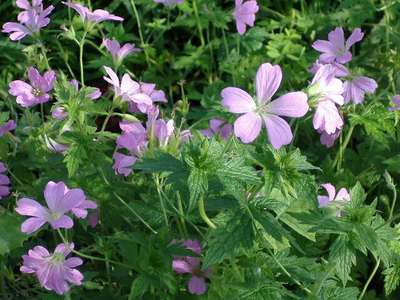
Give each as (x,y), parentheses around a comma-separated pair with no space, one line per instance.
(331,90)
(135,139)
(191,265)
(31,20)
(53,270)
(4,182)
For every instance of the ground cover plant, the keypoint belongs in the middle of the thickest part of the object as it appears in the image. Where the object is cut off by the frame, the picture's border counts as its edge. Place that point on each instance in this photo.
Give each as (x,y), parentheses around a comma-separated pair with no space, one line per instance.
(199,149)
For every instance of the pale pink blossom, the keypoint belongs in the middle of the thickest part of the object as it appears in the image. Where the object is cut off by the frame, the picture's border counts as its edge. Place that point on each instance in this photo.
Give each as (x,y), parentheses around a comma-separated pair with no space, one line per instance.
(10,125)
(4,182)
(248,126)
(53,269)
(118,53)
(36,92)
(245,14)
(342,195)
(218,126)
(336,48)
(396,101)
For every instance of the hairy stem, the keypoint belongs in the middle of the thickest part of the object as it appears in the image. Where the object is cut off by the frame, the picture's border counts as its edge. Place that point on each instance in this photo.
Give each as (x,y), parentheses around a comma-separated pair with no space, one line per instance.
(369,279)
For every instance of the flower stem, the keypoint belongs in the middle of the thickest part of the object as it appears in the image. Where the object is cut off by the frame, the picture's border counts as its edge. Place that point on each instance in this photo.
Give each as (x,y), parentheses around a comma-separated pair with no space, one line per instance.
(140,32)
(369,279)
(394,201)
(339,154)
(180,207)
(89,256)
(156,179)
(81,44)
(196,12)
(204,215)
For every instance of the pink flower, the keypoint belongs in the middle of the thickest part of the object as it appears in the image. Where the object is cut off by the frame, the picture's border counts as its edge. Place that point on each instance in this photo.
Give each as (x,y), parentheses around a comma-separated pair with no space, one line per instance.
(128,89)
(53,145)
(149,90)
(58,113)
(36,92)
(4,181)
(33,20)
(395,100)
(356,87)
(59,199)
(336,48)
(53,270)
(10,125)
(339,70)
(327,117)
(187,264)
(248,126)
(328,139)
(245,14)
(218,126)
(95,95)
(117,52)
(169,2)
(92,18)
(342,195)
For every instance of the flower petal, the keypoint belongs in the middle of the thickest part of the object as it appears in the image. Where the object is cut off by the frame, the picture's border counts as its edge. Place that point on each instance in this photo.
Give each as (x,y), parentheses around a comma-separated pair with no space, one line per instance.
(248,127)
(63,222)
(268,79)
(237,100)
(181,266)
(197,285)
(31,225)
(278,129)
(356,36)
(290,105)
(53,193)
(330,189)
(29,207)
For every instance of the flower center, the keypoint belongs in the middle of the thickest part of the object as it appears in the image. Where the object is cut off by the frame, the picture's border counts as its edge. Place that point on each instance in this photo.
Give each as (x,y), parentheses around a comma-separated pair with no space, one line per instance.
(37,92)
(57,259)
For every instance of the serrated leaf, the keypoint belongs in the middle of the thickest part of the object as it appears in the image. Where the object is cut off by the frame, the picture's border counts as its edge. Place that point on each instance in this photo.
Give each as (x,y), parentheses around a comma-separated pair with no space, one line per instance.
(392,278)
(227,240)
(343,255)
(198,186)
(236,169)
(74,158)
(139,287)
(11,236)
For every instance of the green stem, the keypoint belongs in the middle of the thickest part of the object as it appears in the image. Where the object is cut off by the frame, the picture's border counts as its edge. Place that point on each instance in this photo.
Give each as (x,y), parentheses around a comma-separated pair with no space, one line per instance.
(369,279)
(323,279)
(44,55)
(135,213)
(140,32)
(342,148)
(107,119)
(12,174)
(204,215)
(81,44)
(156,179)
(42,112)
(393,202)
(89,256)
(196,12)
(236,269)
(286,271)
(180,207)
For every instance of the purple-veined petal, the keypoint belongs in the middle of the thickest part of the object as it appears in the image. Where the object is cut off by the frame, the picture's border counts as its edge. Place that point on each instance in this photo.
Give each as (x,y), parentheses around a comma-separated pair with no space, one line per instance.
(29,207)
(63,222)
(330,189)
(356,36)
(278,129)
(31,225)
(290,105)
(247,127)
(197,285)
(268,79)
(53,193)
(181,266)
(237,100)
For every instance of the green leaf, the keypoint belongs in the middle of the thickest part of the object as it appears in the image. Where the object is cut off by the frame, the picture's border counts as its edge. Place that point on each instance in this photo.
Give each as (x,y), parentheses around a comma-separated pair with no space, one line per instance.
(227,240)
(11,236)
(4,116)
(139,287)
(163,162)
(236,169)
(357,195)
(392,278)
(74,158)
(343,255)
(198,186)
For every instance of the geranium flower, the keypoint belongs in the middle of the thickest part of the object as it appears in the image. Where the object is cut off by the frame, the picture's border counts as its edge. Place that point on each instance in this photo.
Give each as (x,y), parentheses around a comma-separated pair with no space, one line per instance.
(59,199)
(343,194)
(53,145)
(36,92)
(248,126)
(33,20)
(328,139)
(218,126)
(94,218)
(92,18)
(10,125)
(395,100)
(169,2)
(53,269)
(4,181)
(117,52)
(336,48)
(245,13)
(187,264)
(149,90)
(128,89)
(327,90)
